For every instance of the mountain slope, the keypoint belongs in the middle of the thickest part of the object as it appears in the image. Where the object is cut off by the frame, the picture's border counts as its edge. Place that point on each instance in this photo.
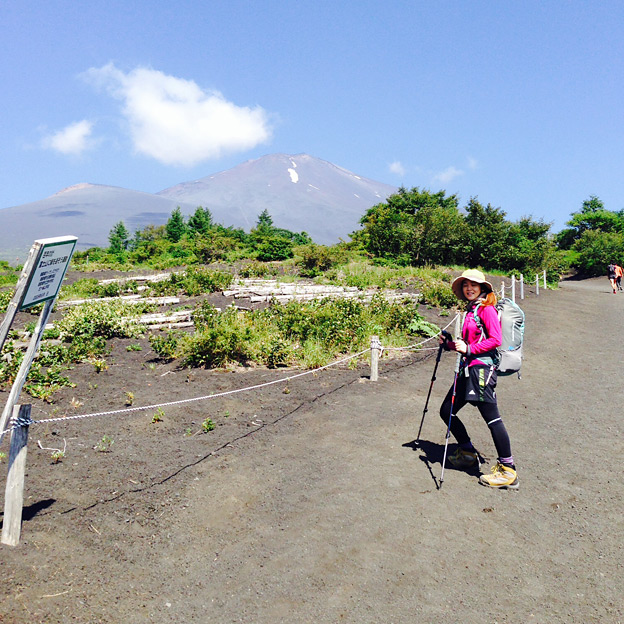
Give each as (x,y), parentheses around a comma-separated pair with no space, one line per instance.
(88,211)
(301,193)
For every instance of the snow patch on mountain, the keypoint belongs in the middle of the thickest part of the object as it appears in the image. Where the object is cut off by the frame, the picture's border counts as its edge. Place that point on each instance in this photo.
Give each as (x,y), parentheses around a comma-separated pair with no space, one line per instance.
(75,187)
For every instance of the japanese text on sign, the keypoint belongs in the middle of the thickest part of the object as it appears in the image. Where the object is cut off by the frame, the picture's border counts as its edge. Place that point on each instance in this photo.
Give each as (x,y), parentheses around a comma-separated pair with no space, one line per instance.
(49,271)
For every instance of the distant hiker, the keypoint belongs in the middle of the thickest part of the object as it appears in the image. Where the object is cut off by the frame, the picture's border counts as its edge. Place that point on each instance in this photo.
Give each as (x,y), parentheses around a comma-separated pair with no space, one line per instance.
(612,274)
(476,380)
(618,276)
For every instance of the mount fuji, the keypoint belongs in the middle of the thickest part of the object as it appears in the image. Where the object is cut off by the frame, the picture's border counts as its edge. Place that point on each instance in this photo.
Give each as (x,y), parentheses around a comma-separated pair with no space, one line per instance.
(300,192)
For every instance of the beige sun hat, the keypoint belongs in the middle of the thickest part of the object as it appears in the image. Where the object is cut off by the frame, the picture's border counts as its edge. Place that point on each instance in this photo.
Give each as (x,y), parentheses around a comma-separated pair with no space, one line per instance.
(474,275)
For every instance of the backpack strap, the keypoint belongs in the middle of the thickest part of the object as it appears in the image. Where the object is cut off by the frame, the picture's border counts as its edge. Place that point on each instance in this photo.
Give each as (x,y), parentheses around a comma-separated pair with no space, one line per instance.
(478,321)
(486,359)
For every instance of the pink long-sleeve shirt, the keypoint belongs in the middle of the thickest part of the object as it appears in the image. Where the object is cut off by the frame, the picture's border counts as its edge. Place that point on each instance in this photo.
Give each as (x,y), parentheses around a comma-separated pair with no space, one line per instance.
(481,343)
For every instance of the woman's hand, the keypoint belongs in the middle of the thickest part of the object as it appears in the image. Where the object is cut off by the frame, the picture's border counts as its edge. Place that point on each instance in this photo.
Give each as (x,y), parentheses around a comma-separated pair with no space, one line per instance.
(461,346)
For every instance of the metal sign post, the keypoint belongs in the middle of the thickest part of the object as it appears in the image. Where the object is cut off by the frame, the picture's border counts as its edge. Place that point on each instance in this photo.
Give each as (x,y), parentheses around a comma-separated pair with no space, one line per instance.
(40,282)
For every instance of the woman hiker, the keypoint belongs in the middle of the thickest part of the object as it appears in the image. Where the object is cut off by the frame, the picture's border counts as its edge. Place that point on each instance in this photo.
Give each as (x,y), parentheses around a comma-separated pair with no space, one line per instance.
(618,276)
(476,380)
(611,272)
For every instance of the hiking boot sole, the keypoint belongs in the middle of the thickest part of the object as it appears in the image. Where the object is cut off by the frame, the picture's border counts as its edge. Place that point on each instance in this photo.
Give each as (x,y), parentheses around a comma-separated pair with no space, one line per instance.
(504,486)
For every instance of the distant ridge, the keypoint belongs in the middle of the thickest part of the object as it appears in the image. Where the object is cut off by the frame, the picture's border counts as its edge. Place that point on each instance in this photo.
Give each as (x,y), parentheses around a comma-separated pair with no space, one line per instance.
(301,193)
(88,211)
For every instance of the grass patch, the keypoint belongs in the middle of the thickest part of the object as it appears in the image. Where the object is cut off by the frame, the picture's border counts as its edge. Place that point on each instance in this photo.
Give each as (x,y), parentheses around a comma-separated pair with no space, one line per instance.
(309,334)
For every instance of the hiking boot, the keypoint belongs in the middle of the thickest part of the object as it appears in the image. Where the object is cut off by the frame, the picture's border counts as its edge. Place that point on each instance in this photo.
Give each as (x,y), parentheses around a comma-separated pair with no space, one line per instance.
(502,477)
(462,458)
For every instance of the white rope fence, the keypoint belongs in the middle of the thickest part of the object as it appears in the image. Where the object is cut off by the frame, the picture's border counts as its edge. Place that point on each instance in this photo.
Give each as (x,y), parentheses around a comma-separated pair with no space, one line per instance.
(418,344)
(128,410)
(376,346)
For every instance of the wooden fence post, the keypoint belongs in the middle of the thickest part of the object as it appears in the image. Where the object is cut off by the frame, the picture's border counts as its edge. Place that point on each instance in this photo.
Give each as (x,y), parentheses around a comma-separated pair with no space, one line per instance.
(502,290)
(513,288)
(14,494)
(375,351)
(537,283)
(544,279)
(521,286)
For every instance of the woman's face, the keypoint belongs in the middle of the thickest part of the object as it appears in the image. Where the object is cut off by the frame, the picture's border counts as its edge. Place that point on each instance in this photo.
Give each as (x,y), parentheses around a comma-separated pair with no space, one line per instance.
(471,289)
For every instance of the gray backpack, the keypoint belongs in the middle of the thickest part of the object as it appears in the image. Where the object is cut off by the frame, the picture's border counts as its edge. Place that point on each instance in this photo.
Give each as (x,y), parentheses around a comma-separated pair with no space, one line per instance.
(508,359)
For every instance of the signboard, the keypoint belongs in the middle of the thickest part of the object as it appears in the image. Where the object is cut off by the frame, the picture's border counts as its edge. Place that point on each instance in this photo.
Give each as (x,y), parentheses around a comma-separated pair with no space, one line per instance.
(49,269)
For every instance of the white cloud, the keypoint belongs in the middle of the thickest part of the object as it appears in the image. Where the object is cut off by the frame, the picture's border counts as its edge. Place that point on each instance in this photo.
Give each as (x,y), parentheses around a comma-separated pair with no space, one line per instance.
(174,121)
(472,163)
(448,175)
(72,140)
(397,168)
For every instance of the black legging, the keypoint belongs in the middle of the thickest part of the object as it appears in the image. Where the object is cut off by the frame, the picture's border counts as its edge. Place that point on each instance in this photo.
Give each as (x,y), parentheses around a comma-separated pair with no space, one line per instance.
(489,412)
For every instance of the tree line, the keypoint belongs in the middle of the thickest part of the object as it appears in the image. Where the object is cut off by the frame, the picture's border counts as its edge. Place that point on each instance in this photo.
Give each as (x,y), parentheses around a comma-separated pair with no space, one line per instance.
(417,227)
(197,239)
(594,238)
(413,227)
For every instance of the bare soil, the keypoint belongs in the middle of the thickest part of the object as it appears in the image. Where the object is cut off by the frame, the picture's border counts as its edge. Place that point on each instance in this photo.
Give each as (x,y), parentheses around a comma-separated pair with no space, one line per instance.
(312,502)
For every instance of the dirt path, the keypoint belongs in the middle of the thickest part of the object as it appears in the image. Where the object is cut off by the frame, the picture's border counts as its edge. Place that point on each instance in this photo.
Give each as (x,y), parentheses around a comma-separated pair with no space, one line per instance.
(332,514)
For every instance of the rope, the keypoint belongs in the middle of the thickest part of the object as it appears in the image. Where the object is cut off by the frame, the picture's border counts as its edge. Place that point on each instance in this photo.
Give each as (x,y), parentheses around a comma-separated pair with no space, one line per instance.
(418,344)
(24,422)
(200,398)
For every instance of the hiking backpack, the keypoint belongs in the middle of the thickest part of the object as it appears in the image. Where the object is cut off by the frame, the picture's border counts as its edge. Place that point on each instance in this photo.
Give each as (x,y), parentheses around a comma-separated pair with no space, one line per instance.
(508,358)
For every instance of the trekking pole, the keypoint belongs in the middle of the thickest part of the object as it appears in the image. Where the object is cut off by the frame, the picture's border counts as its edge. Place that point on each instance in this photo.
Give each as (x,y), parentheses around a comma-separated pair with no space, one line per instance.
(458,325)
(447,336)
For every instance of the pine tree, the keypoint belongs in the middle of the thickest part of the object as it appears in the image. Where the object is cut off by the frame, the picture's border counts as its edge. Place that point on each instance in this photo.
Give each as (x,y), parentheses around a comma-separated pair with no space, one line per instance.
(118,238)
(175,227)
(200,222)
(265,222)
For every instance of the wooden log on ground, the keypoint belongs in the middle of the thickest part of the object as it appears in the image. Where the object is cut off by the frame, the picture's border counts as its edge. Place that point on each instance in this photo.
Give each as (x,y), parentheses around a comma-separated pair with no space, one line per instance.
(125,298)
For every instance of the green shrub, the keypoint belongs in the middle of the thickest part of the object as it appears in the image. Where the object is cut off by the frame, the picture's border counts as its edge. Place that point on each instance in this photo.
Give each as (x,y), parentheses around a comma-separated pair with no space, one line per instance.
(192,282)
(315,259)
(9,279)
(275,248)
(166,346)
(198,281)
(220,339)
(421,327)
(117,289)
(439,294)
(108,319)
(208,425)
(401,315)
(214,347)
(277,352)
(337,323)
(255,269)
(205,315)
(212,247)
(310,333)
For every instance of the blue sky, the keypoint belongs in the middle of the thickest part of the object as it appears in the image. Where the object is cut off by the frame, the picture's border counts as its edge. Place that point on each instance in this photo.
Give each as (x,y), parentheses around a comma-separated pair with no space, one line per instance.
(516,103)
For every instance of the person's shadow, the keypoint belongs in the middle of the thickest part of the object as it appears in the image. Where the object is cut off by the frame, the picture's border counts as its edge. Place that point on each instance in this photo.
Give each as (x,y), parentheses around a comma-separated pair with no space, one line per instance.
(432,454)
